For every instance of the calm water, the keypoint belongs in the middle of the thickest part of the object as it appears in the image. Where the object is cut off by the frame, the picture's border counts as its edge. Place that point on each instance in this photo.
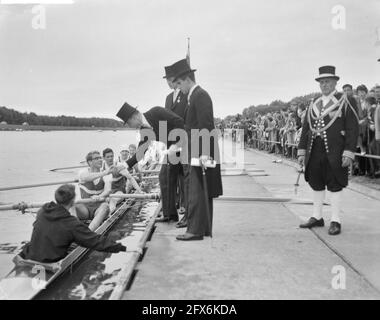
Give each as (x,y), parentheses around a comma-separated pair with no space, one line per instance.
(26,158)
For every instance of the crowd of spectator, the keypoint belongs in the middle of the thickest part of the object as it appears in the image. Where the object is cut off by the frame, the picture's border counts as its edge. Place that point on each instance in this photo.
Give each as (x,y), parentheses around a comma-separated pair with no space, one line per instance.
(279,132)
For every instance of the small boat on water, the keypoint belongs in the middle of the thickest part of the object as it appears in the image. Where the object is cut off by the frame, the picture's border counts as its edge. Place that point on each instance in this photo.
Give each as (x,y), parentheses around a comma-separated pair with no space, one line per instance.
(29,278)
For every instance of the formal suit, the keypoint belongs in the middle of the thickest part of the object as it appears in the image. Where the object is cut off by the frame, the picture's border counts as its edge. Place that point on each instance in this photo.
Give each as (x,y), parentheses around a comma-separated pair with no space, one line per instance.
(199,115)
(177,174)
(153,117)
(179,105)
(323,152)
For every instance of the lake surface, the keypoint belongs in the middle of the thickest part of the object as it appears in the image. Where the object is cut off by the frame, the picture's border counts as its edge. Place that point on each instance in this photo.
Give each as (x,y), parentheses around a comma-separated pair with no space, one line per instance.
(26,158)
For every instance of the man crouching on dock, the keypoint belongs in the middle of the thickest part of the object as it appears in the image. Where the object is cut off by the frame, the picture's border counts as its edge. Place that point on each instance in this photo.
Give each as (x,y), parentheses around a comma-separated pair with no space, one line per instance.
(55,230)
(92,185)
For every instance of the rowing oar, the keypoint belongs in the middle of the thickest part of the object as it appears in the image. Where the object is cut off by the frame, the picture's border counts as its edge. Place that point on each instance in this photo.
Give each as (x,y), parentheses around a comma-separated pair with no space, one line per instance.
(140,196)
(150,177)
(266,199)
(26,186)
(67,168)
(78,167)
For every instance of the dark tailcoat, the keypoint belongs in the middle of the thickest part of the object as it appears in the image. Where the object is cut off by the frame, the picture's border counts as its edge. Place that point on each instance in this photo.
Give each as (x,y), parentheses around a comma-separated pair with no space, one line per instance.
(179,106)
(199,115)
(154,116)
(340,139)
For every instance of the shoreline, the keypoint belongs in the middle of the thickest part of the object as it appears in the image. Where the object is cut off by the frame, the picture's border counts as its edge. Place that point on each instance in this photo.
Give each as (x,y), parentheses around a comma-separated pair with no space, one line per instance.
(20,127)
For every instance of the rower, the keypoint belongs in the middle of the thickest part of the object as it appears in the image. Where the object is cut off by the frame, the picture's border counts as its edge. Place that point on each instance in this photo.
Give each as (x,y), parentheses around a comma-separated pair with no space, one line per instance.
(55,230)
(135,169)
(118,178)
(110,161)
(124,155)
(92,185)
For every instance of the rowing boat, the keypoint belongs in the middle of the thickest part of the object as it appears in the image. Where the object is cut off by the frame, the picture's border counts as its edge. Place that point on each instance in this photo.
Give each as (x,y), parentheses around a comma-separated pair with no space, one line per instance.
(27,279)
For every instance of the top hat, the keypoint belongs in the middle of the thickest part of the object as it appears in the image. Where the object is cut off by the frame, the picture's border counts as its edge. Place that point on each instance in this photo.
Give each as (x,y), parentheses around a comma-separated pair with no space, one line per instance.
(327,72)
(125,112)
(180,68)
(168,72)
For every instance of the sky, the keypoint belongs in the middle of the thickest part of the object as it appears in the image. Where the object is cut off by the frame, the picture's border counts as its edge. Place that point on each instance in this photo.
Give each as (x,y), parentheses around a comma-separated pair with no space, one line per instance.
(94,55)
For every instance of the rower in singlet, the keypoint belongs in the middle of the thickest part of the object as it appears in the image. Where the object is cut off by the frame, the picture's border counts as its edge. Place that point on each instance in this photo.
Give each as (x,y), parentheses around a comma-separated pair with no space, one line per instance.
(119,177)
(92,185)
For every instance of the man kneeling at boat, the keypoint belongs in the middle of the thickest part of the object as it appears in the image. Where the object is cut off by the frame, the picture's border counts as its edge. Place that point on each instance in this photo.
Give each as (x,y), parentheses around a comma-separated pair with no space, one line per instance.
(55,229)
(92,185)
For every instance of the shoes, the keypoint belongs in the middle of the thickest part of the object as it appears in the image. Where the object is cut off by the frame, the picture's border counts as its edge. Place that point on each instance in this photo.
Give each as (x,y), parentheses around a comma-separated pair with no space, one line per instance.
(189,237)
(313,222)
(167,219)
(182,223)
(335,228)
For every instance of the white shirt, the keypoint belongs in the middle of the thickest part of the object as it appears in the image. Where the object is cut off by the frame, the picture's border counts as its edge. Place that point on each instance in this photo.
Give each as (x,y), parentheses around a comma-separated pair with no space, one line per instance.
(175,94)
(145,122)
(326,99)
(191,92)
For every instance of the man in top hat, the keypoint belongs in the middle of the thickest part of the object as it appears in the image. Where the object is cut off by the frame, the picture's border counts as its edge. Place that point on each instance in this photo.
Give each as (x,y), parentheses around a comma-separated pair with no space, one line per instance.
(150,121)
(177,174)
(327,145)
(199,116)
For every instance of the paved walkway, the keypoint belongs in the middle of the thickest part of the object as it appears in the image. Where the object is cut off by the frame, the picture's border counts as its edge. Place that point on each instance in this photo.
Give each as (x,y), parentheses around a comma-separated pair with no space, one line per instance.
(258,251)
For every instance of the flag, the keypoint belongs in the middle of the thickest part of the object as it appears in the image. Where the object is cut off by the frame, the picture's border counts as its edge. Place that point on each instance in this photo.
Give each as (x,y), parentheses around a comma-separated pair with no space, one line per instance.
(188,52)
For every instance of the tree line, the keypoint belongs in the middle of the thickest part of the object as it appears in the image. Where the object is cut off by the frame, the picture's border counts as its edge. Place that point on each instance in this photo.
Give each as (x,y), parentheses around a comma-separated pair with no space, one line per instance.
(11,116)
(274,106)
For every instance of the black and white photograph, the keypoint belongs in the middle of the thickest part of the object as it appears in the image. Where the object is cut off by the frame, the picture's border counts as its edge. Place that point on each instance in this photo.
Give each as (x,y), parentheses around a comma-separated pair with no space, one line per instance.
(187,156)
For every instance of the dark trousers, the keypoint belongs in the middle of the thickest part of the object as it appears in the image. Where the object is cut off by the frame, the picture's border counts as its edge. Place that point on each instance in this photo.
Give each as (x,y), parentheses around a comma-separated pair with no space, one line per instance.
(168,201)
(197,218)
(163,179)
(183,182)
(172,176)
(320,172)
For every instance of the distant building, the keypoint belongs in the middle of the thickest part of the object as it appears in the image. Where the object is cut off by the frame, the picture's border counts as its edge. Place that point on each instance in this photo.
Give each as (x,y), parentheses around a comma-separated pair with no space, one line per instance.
(25,124)
(3,123)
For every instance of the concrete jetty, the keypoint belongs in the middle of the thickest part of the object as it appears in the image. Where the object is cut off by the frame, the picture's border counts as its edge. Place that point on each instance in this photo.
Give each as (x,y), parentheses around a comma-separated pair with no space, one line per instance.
(259,252)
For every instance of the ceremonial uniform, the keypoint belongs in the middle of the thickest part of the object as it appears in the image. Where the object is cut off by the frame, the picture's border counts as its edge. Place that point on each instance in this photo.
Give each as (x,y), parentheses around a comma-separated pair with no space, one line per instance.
(329,133)
(324,150)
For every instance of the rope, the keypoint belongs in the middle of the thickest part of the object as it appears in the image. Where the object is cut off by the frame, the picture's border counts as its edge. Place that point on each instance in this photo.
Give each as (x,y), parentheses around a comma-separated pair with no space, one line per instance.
(343,101)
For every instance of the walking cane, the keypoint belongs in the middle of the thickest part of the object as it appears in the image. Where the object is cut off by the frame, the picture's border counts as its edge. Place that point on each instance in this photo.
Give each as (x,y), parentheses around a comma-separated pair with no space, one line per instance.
(211,164)
(297,184)
(206,199)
